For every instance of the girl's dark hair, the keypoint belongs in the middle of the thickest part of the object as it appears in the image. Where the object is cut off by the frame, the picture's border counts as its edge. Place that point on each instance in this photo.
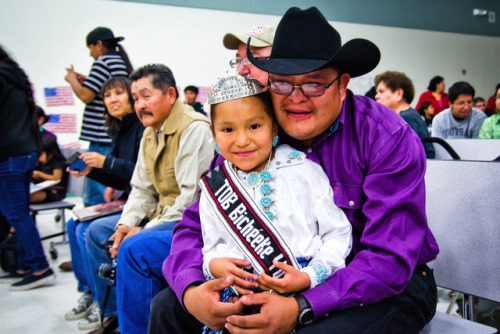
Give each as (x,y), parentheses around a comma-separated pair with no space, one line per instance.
(112,44)
(424,106)
(265,98)
(113,123)
(50,147)
(34,128)
(434,82)
(41,113)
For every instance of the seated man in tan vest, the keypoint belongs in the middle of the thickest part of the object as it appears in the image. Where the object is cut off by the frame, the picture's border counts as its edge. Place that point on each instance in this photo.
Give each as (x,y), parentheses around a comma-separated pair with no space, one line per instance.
(176,149)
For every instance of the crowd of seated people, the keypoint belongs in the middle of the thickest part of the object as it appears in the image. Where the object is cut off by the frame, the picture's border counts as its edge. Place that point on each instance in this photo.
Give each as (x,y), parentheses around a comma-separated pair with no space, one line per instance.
(167,270)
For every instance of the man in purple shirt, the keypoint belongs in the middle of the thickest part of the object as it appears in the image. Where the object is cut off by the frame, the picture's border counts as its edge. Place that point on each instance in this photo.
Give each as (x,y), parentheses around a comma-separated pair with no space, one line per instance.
(376,166)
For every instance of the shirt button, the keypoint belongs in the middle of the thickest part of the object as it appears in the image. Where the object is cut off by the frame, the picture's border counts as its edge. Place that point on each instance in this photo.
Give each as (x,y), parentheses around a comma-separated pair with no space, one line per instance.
(165,195)
(335,190)
(351,203)
(309,150)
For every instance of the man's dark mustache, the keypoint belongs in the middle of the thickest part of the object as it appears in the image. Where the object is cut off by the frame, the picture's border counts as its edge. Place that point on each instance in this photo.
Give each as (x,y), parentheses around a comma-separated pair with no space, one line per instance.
(145,112)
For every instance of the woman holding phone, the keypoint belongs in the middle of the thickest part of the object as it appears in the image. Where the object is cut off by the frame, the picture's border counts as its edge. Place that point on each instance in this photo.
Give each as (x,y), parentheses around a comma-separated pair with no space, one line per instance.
(115,172)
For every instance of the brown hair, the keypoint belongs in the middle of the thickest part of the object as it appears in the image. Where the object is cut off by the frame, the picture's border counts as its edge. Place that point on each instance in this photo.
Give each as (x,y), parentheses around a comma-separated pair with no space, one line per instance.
(396,80)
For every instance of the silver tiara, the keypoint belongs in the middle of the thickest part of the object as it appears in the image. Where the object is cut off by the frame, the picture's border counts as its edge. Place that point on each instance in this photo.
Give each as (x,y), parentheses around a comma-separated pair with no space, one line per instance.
(232,87)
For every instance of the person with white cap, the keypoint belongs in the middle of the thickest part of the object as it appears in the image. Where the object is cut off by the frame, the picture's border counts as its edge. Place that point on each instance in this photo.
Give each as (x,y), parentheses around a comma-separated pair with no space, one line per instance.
(260,47)
(375,164)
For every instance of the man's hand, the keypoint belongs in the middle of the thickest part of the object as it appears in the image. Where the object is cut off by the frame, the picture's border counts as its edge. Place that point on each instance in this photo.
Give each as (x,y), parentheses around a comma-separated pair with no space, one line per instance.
(278,314)
(93,159)
(122,232)
(293,281)
(225,267)
(203,302)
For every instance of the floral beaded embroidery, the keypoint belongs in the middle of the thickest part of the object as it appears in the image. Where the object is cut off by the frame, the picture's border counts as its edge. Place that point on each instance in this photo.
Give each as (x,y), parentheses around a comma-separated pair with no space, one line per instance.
(265,176)
(266,202)
(320,273)
(253,180)
(265,189)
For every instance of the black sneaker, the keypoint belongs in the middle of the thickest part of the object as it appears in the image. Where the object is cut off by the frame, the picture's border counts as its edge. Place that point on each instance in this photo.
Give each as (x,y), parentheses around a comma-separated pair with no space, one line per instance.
(11,277)
(31,281)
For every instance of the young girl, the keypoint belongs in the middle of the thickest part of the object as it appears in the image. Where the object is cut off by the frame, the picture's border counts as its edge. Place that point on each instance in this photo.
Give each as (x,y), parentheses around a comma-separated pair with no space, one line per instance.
(52,166)
(427,111)
(266,206)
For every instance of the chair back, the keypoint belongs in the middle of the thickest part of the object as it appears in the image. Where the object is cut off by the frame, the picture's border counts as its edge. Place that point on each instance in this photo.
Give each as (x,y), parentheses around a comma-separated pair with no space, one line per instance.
(463,211)
(470,149)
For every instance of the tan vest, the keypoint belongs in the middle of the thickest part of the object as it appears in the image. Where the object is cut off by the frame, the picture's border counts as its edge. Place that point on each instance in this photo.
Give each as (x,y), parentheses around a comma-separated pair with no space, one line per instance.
(159,157)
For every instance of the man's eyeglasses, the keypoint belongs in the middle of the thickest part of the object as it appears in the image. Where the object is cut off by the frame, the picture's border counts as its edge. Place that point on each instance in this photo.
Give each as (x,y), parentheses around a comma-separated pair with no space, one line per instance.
(235,63)
(464,103)
(308,89)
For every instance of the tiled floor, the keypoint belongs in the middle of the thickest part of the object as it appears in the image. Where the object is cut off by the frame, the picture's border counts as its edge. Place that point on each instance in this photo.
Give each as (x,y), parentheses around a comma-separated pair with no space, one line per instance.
(41,311)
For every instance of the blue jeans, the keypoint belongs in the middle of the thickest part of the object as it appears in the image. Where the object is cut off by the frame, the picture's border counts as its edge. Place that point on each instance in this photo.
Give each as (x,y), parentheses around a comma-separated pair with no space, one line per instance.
(15,178)
(77,231)
(97,235)
(93,190)
(140,277)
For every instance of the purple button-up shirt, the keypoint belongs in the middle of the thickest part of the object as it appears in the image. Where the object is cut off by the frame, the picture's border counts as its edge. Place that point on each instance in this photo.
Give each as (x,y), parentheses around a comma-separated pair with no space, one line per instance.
(376,166)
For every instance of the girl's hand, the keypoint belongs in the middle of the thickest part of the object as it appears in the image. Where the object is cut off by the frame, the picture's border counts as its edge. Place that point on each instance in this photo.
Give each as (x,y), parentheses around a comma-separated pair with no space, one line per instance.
(293,281)
(93,159)
(224,267)
(37,175)
(55,176)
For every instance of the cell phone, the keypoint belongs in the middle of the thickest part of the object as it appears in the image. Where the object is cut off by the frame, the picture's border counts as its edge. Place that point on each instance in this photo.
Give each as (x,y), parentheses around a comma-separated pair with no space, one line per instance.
(75,163)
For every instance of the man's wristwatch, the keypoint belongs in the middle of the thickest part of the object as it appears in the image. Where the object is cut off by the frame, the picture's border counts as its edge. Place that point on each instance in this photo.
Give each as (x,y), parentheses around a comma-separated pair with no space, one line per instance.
(306,315)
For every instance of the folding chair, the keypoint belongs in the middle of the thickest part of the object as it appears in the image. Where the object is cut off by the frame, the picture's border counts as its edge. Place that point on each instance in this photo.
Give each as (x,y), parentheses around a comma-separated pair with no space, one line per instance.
(74,188)
(462,211)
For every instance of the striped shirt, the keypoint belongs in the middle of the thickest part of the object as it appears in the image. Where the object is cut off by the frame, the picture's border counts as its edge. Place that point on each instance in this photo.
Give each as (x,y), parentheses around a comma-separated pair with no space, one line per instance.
(105,67)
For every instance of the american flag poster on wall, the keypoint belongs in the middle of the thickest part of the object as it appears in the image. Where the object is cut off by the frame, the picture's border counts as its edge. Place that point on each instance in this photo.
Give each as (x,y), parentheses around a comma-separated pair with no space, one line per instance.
(202,94)
(59,96)
(61,123)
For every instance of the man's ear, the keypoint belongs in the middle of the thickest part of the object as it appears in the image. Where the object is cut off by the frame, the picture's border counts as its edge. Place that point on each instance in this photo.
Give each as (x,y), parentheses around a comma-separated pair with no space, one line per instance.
(171,95)
(343,82)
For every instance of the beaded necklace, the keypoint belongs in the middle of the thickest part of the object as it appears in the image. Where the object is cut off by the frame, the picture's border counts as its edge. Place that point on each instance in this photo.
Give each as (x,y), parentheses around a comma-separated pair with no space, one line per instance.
(262,179)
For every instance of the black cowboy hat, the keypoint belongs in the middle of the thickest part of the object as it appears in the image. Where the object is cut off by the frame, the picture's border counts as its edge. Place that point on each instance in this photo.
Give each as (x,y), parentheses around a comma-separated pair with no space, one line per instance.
(306,42)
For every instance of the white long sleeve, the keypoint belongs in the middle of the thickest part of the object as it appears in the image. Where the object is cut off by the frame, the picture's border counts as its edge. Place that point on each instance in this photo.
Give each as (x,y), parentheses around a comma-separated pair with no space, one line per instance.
(305,216)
